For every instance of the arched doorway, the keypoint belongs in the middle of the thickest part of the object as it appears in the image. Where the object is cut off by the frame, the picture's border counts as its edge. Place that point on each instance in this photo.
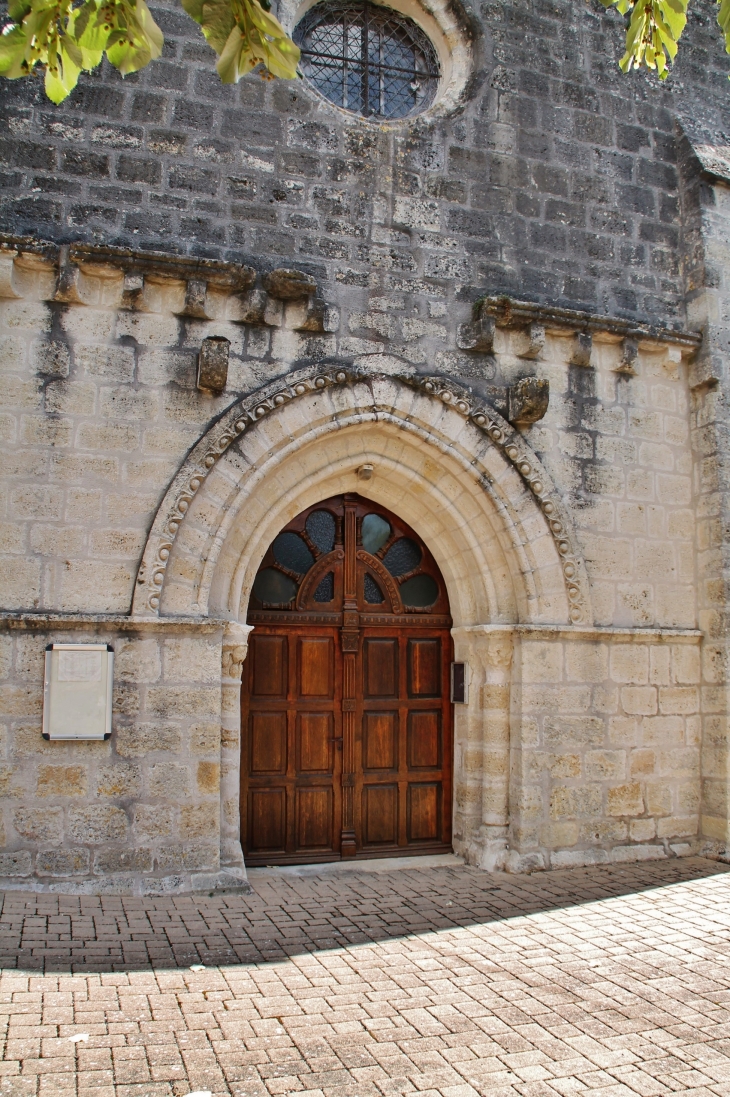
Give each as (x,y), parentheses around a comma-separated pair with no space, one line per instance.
(346,718)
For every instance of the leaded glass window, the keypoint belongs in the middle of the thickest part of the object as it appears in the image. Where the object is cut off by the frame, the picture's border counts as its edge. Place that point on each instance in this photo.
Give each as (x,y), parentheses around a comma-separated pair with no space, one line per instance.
(367,58)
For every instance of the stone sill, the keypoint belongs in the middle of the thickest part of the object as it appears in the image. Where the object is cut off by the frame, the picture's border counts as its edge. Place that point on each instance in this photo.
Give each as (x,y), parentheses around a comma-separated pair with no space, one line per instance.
(586,632)
(23,621)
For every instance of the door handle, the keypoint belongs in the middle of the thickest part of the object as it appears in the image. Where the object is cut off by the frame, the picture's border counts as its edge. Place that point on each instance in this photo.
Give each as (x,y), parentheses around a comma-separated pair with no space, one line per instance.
(335,739)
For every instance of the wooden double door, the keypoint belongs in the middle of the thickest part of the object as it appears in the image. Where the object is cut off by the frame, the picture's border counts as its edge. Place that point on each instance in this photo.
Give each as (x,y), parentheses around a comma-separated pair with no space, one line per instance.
(346,718)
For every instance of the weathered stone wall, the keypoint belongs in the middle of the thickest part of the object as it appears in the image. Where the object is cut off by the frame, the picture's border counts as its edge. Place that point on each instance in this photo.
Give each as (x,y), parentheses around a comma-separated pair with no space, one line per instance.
(596,631)
(142,810)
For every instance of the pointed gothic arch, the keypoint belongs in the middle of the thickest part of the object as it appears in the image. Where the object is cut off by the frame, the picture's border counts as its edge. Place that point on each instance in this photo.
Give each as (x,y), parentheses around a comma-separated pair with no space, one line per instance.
(448,462)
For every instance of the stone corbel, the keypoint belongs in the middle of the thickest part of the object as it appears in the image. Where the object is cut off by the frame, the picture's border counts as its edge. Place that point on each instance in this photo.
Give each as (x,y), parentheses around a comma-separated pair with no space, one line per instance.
(535,340)
(289,285)
(478,334)
(582,347)
(213,364)
(7,263)
(528,400)
(313,315)
(629,356)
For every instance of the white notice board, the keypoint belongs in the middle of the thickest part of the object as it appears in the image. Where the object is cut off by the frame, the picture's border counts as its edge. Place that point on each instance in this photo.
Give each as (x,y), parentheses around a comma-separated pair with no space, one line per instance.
(77,694)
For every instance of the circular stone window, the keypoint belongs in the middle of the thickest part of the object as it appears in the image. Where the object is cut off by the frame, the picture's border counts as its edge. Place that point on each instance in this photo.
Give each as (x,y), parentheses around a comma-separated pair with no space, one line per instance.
(371,60)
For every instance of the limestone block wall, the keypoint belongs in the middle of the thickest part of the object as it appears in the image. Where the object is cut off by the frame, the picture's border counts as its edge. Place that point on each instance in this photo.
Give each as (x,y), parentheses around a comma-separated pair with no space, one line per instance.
(578,745)
(141,811)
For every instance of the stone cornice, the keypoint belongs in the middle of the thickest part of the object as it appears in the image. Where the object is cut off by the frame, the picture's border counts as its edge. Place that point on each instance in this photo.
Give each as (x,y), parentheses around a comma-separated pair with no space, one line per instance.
(20,621)
(508,312)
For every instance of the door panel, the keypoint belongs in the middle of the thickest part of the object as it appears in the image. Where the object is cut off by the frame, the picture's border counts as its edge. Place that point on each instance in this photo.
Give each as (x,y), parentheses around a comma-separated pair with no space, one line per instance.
(346,720)
(315,666)
(267,819)
(314,741)
(269,657)
(424,739)
(424,668)
(379,740)
(268,742)
(381,668)
(423,812)
(380,815)
(314,819)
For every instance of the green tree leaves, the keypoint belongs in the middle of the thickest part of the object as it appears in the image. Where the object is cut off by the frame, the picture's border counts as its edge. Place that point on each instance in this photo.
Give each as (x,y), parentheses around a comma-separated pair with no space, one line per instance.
(65,40)
(244,35)
(654,29)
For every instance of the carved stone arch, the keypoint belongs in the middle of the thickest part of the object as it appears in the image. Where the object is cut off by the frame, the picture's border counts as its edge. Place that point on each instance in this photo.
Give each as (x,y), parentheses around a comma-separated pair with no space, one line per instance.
(495,491)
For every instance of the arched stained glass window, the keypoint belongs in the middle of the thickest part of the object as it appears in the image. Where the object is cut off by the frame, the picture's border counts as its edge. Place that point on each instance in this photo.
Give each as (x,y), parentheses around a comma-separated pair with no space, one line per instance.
(367,58)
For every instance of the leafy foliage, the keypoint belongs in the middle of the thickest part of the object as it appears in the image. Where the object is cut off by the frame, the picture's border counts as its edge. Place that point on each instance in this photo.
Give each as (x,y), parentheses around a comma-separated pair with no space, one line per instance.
(654,28)
(65,40)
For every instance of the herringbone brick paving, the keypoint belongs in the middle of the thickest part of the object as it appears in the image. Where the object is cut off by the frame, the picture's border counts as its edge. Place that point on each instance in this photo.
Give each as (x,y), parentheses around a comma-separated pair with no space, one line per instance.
(435,981)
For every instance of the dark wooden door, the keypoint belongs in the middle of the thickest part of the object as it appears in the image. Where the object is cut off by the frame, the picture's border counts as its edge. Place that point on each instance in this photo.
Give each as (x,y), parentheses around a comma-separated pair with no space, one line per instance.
(346,719)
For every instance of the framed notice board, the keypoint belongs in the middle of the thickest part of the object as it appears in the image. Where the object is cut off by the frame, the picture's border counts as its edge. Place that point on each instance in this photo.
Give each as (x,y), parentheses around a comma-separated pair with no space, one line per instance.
(77,693)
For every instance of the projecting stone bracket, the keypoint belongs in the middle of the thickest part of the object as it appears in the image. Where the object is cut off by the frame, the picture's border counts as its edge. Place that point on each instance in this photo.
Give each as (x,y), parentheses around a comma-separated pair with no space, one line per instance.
(213,364)
(527,400)
(477,335)
(154,282)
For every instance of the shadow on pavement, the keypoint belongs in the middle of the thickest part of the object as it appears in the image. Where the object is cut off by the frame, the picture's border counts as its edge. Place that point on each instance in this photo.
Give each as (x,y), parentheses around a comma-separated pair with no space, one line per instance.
(289,915)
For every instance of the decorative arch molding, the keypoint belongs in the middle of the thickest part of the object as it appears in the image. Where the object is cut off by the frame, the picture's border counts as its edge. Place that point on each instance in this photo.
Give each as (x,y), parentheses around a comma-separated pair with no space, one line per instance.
(252,409)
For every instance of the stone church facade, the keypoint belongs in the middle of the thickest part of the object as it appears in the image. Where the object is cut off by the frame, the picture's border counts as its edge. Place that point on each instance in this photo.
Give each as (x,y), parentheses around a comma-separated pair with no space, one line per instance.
(505,319)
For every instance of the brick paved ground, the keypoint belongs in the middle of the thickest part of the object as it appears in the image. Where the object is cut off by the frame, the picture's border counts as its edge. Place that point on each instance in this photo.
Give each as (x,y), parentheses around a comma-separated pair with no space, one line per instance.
(437,981)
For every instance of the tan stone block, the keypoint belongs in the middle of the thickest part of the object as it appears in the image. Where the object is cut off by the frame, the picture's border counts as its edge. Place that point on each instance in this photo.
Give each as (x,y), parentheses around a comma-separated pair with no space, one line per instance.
(112,363)
(62,862)
(137,660)
(688,798)
(83,505)
(607,557)
(571,802)
(573,731)
(39,824)
(57,540)
(102,438)
(674,491)
(208,777)
(630,664)
(196,856)
(6,655)
(118,779)
(640,484)
(586,662)
(560,835)
(625,800)
(642,763)
(542,662)
(118,542)
(562,765)
(62,781)
(37,501)
(96,587)
(653,560)
(207,738)
(124,402)
(642,830)
(175,700)
(38,430)
(70,398)
(153,821)
(603,830)
(676,827)
(12,537)
(601,765)
(675,606)
(662,731)
(658,798)
(683,762)
(192,660)
(659,661)
(639,700)
(169,781)
(96,823)
(73,467)
(200,820)
(108,861)
(631,518)
(678,700)
(685,664)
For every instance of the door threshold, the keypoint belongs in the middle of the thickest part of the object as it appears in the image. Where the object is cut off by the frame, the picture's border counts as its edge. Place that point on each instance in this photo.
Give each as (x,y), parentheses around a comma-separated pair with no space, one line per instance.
(370,864)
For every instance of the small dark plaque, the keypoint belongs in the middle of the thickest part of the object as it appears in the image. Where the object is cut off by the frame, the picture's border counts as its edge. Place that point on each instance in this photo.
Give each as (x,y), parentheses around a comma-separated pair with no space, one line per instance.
(459,683)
